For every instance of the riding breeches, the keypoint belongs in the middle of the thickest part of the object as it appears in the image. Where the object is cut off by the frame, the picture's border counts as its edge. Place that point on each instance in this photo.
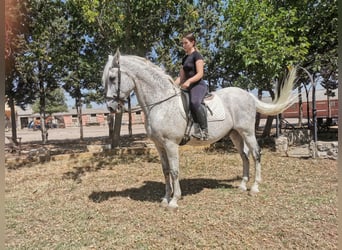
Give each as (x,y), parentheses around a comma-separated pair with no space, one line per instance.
(197,94)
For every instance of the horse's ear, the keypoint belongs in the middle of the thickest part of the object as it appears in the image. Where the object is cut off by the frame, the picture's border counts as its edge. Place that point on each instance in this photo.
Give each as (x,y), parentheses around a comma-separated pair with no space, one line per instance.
(116,59)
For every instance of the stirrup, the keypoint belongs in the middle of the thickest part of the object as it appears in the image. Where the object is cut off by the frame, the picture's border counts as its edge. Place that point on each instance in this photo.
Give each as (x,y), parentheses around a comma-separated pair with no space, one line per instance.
(201,135)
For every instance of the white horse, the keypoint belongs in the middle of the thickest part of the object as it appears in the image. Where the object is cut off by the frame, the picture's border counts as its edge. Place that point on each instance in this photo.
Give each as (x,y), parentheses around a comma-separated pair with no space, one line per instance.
(166,120)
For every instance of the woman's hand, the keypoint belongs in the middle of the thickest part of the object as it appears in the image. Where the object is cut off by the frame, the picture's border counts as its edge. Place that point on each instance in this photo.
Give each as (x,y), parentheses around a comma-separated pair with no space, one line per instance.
(186,84)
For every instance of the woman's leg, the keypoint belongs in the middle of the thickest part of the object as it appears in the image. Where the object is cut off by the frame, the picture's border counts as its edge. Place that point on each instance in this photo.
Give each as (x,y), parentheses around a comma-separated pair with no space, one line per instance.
(199,112)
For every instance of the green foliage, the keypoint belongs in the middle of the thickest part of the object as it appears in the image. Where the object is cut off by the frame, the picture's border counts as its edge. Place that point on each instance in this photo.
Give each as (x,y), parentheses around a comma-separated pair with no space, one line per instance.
(132,26)
(263,35)
(204,19)
(81,58)
(55,102)
(245,43)
(37,67)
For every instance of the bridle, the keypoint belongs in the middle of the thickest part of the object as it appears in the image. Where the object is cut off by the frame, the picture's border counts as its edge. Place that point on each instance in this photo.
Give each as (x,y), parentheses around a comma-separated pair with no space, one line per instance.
(117,98)
(119,83)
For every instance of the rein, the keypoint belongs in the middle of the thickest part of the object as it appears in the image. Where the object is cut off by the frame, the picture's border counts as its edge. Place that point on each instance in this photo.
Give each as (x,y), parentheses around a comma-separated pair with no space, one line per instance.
(159,102)
(118,99)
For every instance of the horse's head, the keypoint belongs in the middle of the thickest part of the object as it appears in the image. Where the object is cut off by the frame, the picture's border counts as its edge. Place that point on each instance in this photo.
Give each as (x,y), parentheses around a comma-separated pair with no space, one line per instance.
(117,83)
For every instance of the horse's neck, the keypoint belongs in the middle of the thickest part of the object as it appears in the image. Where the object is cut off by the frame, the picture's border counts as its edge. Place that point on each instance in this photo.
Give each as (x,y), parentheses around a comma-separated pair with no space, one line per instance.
(151,84)
(155,97)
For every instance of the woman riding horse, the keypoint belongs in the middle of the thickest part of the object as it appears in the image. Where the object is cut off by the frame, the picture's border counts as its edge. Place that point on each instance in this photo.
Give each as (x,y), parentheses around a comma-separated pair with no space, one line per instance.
(191,78)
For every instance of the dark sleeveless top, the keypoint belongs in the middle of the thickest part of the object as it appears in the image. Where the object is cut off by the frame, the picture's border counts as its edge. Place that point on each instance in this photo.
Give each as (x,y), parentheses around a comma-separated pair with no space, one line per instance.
(189,65)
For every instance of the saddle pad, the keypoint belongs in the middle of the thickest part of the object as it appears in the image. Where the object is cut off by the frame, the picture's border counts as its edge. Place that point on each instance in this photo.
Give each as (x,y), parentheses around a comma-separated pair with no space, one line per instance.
(215,111)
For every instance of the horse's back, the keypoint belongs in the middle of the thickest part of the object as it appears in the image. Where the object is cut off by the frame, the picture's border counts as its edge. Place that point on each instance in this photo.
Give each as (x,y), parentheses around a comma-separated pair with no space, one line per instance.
(239,105)
(235,97)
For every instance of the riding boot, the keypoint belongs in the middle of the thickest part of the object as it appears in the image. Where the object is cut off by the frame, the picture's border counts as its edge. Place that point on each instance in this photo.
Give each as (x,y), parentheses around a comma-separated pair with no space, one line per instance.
(197,128)
(201,115)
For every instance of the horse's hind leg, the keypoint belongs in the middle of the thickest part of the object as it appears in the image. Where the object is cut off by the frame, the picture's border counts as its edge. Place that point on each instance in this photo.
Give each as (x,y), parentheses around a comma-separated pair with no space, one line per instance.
(243,151)
(254,148)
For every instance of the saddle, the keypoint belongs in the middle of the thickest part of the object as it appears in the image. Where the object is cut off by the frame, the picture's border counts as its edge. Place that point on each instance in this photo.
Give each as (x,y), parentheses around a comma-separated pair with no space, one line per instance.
(211,102)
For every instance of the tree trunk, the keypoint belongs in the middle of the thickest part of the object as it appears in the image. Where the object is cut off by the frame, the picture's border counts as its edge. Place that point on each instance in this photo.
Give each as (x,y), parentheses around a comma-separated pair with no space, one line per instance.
(130,132)
(257,117)
(268,126)
(117,129)
(80,116)
(329,106)
(111,125)
(43,128)
(13,119)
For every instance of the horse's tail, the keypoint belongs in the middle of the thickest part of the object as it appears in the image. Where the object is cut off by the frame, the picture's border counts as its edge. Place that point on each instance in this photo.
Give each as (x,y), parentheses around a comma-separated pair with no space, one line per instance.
(283,96)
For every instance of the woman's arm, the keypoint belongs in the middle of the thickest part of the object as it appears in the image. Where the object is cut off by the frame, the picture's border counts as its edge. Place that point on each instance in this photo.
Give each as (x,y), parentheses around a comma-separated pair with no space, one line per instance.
(180,79)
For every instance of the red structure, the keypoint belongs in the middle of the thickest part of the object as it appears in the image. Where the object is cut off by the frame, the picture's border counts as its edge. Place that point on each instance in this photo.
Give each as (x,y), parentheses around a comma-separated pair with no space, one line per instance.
(322,108)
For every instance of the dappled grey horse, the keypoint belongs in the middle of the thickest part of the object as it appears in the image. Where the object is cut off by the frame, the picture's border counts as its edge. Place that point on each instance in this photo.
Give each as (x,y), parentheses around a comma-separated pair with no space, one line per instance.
(166,120)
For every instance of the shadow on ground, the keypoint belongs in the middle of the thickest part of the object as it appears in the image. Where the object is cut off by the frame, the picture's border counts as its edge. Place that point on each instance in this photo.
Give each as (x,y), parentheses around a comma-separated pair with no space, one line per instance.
(152,191)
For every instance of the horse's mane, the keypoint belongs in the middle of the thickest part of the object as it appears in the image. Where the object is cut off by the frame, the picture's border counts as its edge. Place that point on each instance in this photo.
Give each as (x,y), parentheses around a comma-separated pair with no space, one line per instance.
(153,69)
(147,68)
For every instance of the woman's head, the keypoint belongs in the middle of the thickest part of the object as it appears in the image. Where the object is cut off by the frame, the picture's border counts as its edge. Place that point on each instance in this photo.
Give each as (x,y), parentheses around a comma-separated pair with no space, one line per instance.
(189,42)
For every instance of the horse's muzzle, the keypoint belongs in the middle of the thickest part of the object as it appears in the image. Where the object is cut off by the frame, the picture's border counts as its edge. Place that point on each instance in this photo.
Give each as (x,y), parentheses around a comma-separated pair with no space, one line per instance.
(113,106)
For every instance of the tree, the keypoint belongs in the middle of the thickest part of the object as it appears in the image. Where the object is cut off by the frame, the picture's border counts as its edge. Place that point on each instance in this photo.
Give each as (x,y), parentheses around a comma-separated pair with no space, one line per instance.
(246,43)
(263,36)
(320,20)
(39,63)
(55,102)
(15,29)
(122,24)
(82,62)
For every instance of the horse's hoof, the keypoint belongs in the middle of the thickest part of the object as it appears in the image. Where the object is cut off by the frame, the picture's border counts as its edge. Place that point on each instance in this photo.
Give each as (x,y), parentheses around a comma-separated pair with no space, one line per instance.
(243,188)
(254,192)
(172,206)
(164,203)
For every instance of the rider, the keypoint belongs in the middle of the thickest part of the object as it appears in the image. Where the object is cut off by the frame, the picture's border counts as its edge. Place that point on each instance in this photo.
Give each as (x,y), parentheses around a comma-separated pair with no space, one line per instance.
(190,77)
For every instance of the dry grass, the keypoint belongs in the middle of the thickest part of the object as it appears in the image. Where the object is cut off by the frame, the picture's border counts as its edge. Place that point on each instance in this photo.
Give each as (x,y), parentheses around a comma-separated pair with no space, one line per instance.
(108,202)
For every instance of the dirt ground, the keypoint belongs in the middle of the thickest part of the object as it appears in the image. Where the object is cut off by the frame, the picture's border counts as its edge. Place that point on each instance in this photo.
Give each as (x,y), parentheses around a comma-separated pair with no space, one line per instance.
(112,202)
(106,201)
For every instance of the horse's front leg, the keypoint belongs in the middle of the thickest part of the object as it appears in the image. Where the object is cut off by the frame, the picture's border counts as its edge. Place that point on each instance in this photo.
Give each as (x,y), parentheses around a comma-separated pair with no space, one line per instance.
(166,170)
(173,159)
(168,187)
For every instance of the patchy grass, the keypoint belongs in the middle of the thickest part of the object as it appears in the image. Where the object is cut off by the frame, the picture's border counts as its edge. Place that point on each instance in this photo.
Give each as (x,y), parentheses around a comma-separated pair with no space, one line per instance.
(108,202)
